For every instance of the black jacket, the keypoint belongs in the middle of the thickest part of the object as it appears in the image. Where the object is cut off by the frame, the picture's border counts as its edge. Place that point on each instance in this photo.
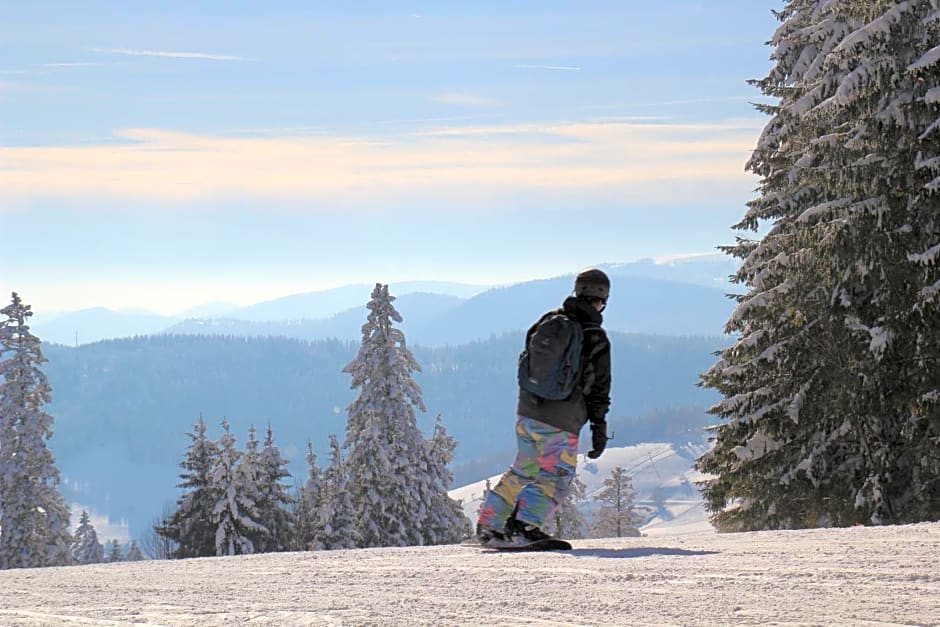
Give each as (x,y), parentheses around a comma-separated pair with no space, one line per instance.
(591,399)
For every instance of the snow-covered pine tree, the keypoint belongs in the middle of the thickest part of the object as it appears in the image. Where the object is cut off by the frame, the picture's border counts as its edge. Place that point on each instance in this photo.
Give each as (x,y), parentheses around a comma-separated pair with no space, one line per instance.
(85,547)
(251,480)
(235,515)
(617,516)
(387,476)
(335,526)
(33,515)
(921,430)
(274,501)
(826,397)
(446,522)
(568,521)
(886,250)
(114,551)
(781,319)
(890,218)
(191,526)
(134,554)
(307,504)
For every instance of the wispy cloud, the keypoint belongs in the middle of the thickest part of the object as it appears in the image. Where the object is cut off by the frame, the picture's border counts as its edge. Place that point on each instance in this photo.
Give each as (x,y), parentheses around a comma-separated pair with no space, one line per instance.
(552,164)
(169,54)
(43,69)
(560,68)
(62,66)
(689,101)
(466,100)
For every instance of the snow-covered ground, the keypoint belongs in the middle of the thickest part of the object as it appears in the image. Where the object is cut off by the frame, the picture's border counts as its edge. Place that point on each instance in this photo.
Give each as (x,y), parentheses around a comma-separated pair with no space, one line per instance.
(680,573)
(856,576)
(662,476)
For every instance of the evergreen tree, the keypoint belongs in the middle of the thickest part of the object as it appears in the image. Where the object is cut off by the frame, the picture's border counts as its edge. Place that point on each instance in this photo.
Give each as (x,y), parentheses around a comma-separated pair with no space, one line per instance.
(115,553)
(446,522)
(387,478)
(235,514)
(335,526)
(617,516)
(251,487)
(308,502)
(830,393)
(781,320)
(85,548)
(134,554)
(921,430)
(191,528)
(274,500)
(568,521)
(33,515)
(251,454)
(881,249)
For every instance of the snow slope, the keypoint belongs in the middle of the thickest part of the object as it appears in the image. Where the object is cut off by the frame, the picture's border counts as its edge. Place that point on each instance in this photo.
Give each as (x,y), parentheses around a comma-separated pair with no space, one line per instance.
(855,576)
(662,475)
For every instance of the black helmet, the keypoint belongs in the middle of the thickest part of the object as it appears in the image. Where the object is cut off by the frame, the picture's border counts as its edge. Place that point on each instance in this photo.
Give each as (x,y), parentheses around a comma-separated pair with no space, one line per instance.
(592,283)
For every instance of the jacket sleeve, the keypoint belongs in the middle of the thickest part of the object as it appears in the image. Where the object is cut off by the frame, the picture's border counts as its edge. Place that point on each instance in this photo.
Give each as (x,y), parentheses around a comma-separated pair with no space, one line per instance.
(597,379)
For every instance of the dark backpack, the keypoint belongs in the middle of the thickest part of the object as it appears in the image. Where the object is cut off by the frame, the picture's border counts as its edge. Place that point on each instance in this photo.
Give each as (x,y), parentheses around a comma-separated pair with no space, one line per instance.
(551,362)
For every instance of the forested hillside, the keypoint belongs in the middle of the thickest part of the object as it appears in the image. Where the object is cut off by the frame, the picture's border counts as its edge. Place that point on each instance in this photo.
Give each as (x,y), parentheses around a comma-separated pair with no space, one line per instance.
(144,393)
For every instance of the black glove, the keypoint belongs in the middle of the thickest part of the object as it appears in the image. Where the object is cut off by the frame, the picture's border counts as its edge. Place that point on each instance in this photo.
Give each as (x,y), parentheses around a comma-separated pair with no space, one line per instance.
(598,439)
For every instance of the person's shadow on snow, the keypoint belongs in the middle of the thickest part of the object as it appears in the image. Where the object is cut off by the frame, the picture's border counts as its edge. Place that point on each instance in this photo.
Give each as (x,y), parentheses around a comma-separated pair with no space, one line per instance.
(646,551)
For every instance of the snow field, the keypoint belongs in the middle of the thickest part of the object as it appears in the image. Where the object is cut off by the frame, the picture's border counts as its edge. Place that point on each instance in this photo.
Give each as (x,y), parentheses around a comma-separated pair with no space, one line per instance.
(855,576)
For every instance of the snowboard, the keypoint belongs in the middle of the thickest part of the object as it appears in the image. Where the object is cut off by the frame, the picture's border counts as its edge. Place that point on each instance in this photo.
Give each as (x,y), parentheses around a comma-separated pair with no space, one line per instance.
(549,544)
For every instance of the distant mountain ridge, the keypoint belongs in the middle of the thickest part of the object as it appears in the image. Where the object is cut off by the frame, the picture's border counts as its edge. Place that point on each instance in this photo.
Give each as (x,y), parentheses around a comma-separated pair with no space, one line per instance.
(417,309)
(678,297)
(707,270)
(327,303)
(637,305)
(93,325)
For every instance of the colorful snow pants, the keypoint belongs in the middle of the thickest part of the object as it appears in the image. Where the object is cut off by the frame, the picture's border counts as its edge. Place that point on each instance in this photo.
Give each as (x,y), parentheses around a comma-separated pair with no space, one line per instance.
(538,480)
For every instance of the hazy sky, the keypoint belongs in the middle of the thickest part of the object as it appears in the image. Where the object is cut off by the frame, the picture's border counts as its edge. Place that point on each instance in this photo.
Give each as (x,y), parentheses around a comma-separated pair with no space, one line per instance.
(164,154)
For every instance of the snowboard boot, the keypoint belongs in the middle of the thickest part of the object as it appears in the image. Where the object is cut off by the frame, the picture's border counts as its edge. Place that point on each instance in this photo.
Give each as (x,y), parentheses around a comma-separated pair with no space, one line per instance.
(486,535)
(525,533)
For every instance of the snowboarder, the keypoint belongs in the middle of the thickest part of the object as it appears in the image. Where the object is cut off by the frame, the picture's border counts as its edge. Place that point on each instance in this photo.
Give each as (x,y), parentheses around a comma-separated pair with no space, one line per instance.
(548,424)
